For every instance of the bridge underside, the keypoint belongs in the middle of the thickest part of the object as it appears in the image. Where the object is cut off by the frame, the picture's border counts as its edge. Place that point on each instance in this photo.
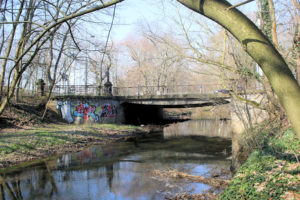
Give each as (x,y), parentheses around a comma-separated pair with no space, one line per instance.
(181,105)
(142,114)
(178,102)
(145,112)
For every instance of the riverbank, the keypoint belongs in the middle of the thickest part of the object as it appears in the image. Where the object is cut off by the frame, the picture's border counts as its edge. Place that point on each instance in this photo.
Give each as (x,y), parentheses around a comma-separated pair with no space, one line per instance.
(24,145)
(272,171)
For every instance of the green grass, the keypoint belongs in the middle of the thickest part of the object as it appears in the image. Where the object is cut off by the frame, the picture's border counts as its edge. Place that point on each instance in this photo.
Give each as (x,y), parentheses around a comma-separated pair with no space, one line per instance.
(113,127)
(272,172)
(55,135)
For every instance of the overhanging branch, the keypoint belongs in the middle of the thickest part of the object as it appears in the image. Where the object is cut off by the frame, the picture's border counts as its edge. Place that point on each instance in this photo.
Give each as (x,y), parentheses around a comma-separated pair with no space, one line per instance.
(240,4)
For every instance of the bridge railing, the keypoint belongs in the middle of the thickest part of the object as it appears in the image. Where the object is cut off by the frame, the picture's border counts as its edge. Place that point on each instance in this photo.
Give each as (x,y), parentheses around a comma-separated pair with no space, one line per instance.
(92,90)
(88,90)
(166,90)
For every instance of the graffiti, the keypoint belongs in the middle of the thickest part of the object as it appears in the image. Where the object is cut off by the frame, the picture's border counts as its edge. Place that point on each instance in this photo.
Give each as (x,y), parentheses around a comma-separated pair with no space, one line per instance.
(65,109)
(85,111)
(106,111)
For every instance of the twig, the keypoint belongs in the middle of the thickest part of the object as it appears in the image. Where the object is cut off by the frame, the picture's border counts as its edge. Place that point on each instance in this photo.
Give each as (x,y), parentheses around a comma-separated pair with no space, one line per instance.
(240,4)
(72,36)
(111,25)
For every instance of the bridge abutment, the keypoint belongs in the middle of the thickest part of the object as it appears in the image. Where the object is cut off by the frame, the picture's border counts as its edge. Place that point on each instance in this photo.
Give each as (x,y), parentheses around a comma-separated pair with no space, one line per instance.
(91,110)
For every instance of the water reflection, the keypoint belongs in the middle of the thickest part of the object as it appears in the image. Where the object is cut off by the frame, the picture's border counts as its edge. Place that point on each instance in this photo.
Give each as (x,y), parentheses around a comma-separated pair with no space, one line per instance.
(206,127)
(122,170)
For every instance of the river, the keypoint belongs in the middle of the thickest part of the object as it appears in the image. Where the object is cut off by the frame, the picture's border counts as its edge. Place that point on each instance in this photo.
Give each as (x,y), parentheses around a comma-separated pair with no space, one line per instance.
(124,170)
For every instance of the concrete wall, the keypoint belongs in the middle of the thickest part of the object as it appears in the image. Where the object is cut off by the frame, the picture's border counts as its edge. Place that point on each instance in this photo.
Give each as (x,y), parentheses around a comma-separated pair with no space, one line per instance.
(91,111)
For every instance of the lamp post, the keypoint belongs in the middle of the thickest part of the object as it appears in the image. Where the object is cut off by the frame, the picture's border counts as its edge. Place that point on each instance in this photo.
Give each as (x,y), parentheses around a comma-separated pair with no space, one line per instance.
(107,85)
(85,72)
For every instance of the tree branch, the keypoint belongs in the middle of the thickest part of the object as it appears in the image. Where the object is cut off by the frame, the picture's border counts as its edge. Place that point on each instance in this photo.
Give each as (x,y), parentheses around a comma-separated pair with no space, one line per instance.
(240,4)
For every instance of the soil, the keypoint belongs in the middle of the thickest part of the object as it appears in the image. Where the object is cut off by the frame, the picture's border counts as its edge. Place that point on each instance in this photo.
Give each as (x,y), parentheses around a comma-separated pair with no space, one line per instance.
(25,115)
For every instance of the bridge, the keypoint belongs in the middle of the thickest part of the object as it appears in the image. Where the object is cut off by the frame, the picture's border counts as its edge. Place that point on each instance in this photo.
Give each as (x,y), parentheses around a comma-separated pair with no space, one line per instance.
(179,96)
(82,104)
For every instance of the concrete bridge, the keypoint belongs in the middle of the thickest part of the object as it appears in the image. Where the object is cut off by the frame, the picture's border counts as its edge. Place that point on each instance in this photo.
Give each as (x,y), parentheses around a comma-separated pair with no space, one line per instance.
(144,107)
(177,101)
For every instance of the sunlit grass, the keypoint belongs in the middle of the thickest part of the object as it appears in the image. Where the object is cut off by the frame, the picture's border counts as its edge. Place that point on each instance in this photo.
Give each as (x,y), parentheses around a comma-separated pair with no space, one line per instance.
(54,136)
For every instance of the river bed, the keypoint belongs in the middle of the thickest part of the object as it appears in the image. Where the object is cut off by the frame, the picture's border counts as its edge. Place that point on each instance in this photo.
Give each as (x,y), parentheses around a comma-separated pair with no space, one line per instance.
(124,170)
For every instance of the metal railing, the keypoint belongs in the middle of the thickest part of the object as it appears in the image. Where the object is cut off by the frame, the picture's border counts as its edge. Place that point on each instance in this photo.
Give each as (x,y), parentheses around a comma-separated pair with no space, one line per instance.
(88,90)
(92,90)
(166,90)
(141,91)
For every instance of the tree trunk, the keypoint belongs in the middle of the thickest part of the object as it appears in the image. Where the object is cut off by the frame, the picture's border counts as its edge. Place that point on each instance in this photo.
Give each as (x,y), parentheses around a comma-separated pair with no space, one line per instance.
(296,7)
(259,48)
(9,48)
(274,26)
(17,93)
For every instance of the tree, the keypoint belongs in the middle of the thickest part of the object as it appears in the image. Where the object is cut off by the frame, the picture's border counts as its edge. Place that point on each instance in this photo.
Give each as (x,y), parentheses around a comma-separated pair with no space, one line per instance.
(296,9)
(157,66)
(257,45)
(36,30)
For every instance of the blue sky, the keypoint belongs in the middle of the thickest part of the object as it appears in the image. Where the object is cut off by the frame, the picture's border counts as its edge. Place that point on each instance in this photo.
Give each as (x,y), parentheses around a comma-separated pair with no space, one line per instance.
(131,12)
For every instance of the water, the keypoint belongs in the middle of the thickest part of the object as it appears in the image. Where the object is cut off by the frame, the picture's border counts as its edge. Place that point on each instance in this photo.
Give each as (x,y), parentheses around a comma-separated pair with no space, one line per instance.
(124,170)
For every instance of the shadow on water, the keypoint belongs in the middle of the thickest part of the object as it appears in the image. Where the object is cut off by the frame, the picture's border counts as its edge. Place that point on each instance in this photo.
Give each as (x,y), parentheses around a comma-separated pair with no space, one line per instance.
(125,170)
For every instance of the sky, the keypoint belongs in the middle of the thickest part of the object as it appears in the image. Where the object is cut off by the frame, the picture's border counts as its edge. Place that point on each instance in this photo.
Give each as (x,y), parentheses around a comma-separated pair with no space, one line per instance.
(130,13)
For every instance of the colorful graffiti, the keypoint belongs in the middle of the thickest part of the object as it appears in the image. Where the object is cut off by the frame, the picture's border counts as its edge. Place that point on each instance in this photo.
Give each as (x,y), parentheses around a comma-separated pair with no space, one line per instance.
(106,111)
(85,111)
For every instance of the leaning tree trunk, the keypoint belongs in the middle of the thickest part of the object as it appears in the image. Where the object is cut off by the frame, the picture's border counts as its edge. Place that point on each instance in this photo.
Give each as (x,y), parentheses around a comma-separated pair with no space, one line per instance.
(259,48)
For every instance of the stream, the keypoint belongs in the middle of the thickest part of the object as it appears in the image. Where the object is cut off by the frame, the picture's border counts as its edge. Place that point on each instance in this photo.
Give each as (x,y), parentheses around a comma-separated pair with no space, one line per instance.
(124,170)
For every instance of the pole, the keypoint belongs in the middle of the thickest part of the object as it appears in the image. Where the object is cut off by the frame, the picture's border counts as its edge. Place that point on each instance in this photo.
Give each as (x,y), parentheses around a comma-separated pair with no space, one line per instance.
(85,84)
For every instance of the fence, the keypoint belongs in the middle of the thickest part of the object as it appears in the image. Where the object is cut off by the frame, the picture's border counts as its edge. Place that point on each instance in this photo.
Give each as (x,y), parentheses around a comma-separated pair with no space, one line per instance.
(92,90)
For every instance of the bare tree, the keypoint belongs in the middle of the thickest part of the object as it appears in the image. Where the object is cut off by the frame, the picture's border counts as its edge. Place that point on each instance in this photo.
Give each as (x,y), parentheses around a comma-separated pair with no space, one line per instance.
(296,40)
(157,66)
(260,49)
(37,33)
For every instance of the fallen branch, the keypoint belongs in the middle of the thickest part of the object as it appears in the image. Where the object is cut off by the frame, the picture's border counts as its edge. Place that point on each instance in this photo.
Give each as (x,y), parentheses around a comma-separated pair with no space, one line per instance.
(215,182)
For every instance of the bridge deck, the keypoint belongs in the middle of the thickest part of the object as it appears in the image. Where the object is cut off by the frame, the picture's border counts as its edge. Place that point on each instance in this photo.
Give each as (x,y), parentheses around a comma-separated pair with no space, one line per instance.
(168,101)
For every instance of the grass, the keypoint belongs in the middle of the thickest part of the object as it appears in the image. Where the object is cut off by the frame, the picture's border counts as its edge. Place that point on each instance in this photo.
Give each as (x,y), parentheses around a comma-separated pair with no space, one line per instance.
(55,136)
(271,172)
